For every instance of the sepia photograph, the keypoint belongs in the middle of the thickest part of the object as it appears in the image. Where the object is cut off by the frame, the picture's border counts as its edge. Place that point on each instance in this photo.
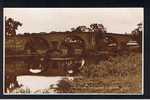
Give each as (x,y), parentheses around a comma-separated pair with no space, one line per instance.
(69,51)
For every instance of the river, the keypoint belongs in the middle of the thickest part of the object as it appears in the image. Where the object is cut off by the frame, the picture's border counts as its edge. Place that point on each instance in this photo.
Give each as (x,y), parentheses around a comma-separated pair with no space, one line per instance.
(38,84)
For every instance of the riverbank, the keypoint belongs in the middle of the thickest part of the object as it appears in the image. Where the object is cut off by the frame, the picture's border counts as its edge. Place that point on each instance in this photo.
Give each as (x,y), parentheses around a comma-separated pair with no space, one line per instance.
(120,74)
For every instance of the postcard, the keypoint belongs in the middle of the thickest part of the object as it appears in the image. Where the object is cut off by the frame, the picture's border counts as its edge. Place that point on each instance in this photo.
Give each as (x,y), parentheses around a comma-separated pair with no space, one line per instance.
(69,51)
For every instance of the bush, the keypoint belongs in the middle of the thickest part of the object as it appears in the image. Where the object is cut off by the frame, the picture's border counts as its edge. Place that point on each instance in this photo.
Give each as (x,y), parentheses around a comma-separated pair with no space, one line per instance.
(119,66)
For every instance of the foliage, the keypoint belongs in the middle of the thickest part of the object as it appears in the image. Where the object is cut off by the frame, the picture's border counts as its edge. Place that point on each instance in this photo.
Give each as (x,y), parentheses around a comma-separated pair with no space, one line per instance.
(120,66)
(11,26)
(64,86)
(81,29)
(98,28)
(137,34)
(93,28)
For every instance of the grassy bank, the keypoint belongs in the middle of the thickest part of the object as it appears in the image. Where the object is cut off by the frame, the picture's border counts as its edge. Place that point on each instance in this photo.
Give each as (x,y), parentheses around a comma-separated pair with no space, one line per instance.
(121,74)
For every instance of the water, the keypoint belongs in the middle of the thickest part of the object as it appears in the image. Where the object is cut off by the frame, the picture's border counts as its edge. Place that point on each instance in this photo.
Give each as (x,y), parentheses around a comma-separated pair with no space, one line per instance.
(39,84)
(35,70)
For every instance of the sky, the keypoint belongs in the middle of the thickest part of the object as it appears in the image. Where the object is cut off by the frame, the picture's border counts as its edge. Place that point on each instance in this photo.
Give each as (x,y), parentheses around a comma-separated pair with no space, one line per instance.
(35,20)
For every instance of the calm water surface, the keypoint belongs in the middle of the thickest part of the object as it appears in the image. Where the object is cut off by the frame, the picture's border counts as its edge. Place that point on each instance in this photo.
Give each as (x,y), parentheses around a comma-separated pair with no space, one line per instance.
(36,84)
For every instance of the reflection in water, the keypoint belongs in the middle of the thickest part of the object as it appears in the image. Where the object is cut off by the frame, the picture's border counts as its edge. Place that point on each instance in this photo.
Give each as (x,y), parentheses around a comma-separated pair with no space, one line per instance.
(70,71)
(35,70)
(82,62)
(41,84)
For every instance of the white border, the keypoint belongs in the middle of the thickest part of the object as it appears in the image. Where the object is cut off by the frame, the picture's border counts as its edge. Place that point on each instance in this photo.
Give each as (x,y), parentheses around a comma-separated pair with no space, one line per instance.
(3,52)
(73,93)
(143,55)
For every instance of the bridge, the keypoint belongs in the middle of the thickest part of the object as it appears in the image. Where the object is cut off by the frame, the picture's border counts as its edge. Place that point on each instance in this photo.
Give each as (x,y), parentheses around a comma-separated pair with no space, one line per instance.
(22,42)
(24,48)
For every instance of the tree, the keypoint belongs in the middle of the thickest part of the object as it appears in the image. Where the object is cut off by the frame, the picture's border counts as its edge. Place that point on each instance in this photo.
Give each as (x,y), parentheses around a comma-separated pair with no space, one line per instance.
(137,34)
(97,28)
(93,28)
(81,29)
(100,35)
(11,26)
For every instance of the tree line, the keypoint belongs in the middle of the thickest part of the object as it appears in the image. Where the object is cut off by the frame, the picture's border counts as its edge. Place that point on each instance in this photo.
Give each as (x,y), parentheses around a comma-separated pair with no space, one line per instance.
(11,26)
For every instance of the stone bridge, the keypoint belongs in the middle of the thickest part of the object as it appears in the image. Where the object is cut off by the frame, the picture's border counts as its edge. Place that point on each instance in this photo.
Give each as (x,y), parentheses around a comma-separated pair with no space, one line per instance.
(16,47)
(20,42)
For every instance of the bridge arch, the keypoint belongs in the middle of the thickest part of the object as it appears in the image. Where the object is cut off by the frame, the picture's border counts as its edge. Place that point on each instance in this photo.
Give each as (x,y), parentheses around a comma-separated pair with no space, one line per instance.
(73,44)
(36,44)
